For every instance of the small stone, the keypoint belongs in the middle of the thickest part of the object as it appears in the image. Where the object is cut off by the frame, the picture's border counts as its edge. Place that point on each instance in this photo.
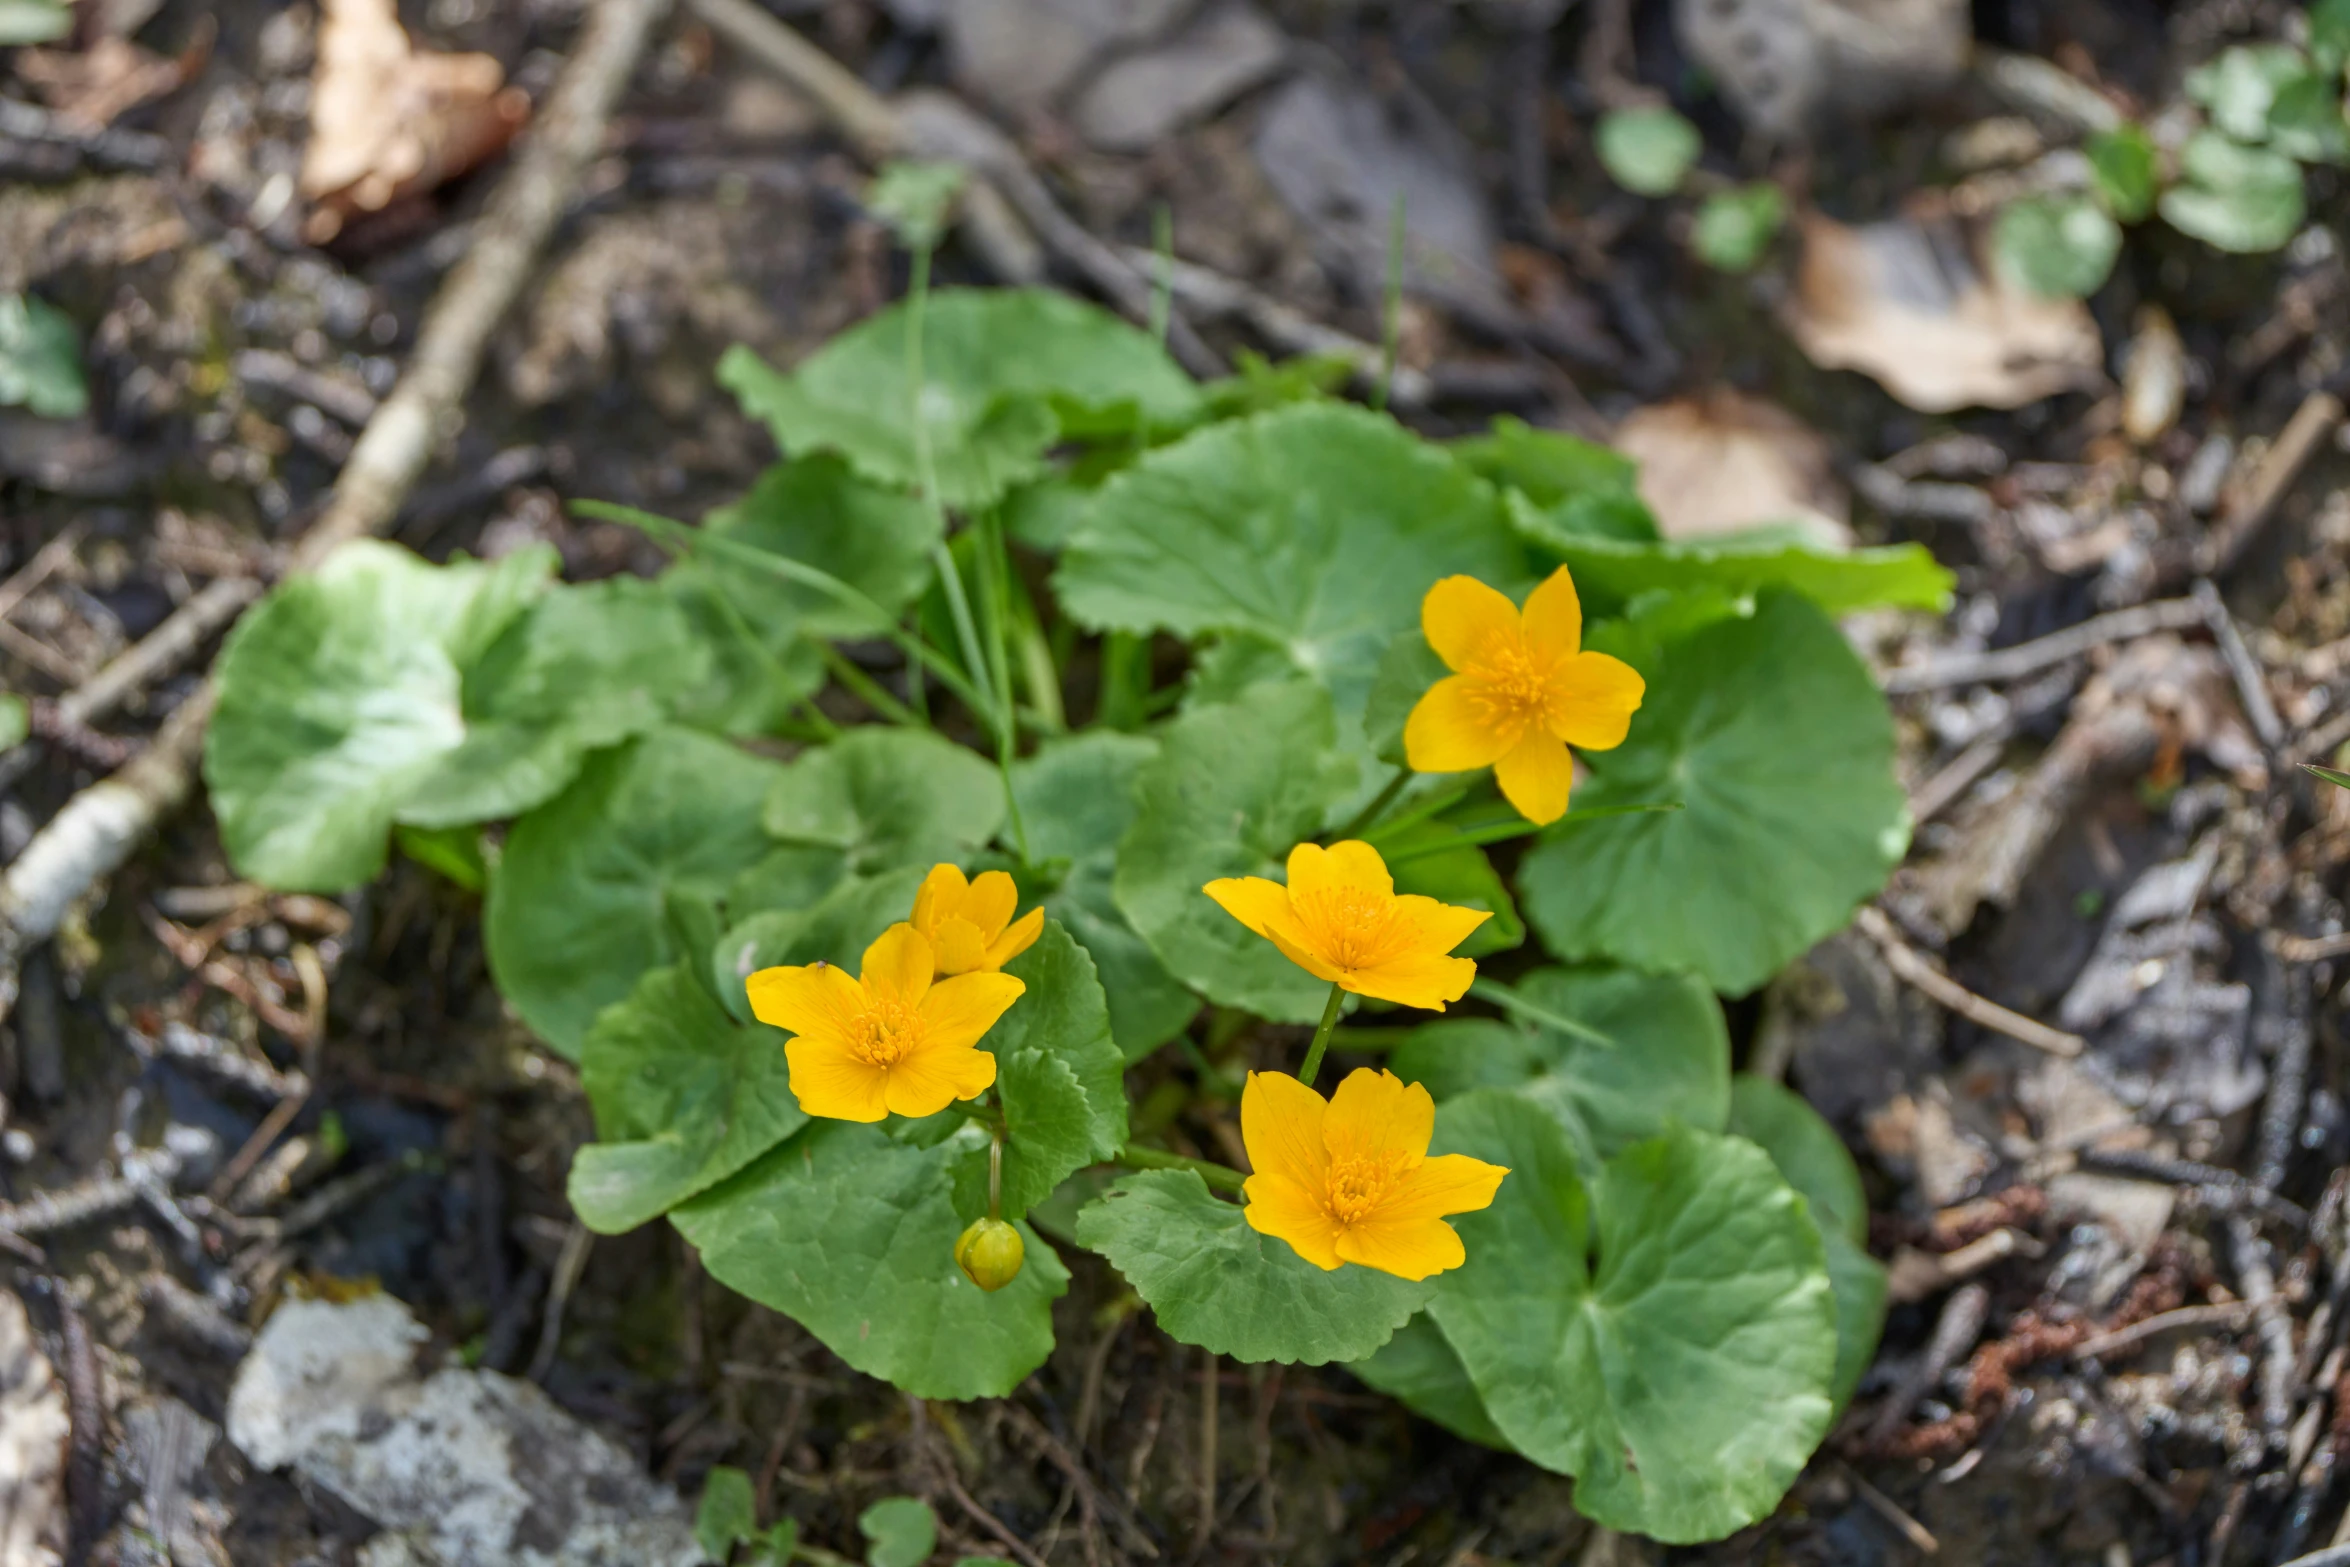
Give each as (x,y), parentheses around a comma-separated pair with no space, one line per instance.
(1021,55)
(1142,98)
(1788,66)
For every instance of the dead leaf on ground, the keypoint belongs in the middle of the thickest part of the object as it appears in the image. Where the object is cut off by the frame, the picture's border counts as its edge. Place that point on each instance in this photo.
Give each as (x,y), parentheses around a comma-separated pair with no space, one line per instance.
(1720,461)
(34,1429)
(389,120)
(96,86)
(1906,303)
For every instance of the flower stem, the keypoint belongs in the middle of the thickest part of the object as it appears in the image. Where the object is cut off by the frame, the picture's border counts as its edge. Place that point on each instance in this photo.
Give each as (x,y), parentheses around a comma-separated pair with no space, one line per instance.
(1221,1176)
(995,1175)
(996,572)
(1371,813)
(1305,1074)
(863,686)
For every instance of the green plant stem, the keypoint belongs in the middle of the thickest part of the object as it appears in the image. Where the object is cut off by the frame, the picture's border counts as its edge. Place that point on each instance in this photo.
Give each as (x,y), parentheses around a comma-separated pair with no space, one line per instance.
(864,687)
(1221,1176)
(1508,1000)
(996,565)
(811,726)
(1362,820)
(1163,270)
(1501,832)
(1442,800)
(1390,308)
(1305,1074)
(1125,679)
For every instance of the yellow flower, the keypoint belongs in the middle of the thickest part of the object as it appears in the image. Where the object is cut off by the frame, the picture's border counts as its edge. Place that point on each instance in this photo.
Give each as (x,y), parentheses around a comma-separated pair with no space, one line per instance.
(969,923)
(1339,919)
(1350,1180)
(889,1043)
(1522,691)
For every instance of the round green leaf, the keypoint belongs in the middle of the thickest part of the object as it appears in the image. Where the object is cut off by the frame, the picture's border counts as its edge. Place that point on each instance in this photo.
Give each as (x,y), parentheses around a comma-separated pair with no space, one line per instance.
(579,905)
(1681,1375)
(900,1531)
(1234,788)
(684,1096)
(1077,797)
(729,1512)
(1735,227)
(1647,150)
(1419,1369)
(2122,162)
(339,696)
(1318,528)
(582,668)
(851,1234)
(2306,120)
(1669,1063)
(2061,247)
(997,364)
(1815,1162)
(2239,86)
(887,798)
(2233,197)
(40,359)
(1775,741)
(1213,1281)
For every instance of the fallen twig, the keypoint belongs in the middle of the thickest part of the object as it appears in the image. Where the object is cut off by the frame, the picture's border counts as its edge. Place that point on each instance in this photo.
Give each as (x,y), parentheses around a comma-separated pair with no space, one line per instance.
(2242,519)
(2251,680)
(98,828)
(1911,967)
(1892,1512)
(2233,1313)
(2013,663)
(2276,1325)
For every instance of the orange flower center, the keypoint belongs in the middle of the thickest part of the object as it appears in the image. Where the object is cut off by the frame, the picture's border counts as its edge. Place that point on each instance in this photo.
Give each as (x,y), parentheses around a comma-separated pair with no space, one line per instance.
(886,1034)
(1511,689)
(1358,1186)
(1355,926)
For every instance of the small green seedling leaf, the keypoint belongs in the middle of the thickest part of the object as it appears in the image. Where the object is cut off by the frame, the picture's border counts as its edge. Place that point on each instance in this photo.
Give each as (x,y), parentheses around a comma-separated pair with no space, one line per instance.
(2331,775)
(2239,87)
(1773,736)
(1647,151)
(1734,228)
(2234,197)
(851,1234)
(901,1531)
(2122,162)
(915,200)
(2306,120)
(2060,247)
(1213,1281)
(728,1513)
(40,359)
(33,22)
(16,720)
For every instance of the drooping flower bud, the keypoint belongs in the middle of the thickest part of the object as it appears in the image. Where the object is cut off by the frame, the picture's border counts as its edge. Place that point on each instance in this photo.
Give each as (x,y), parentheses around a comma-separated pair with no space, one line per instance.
(990,1254)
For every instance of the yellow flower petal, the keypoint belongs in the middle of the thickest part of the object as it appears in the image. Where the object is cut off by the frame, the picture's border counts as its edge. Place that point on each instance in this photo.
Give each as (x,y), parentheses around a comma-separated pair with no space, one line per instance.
(1300,950)
(1281,1127)
(1415,980)
(1467,622)
(1446,1183)
(1536,777)
(1409,1251)
(1438,927)
(1351,864)
(941,894)
(1452,730)
(959,944)
(898,965)
(1592,700)
(1257,903)
(990,902)
(831,1082)
(935,1076)
(1293,1213)
(958,1011)
(1553,621)
(817,999)
(1375,1114)
(1017,938)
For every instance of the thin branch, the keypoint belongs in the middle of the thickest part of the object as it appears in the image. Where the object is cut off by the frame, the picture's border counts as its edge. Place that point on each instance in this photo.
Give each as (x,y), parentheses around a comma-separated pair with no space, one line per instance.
(1910,967)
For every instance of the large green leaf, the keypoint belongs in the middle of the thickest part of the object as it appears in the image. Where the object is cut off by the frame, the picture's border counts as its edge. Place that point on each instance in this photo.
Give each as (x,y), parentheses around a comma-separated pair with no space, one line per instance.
(1773,738)
(1234,788)
(1318,527)
(1059,1078)
(1815,1162)
(1077,797)
(582,668)
(1668,1065)
(339,696)
(40,353)
(886,798)
(1666,1335)
(1419,1368)
(852,1235)
(684,1097)
(1001,373)
(1213,1281)
(580,905)
(1611,572)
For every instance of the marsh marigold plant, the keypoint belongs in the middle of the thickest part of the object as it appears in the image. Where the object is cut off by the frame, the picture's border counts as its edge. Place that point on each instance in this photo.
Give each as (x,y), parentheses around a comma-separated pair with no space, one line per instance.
(1521,692)
(1350,1178)
(1340,919)
(892,1041)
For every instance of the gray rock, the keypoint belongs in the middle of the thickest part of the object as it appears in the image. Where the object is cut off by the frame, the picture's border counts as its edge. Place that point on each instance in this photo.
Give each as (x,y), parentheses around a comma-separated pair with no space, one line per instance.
(1338,159)
(1141,98)
(477,1469)
(1789,65)
(1020,55)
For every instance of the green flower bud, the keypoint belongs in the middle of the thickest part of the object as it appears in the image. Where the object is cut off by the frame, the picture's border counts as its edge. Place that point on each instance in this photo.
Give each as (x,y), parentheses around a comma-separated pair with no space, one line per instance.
(990,1254)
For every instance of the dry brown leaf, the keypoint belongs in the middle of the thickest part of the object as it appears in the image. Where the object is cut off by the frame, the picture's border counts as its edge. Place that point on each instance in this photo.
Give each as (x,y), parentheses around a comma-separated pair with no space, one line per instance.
(96,86)
(1721,461)
(389,120)
(1906,303)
